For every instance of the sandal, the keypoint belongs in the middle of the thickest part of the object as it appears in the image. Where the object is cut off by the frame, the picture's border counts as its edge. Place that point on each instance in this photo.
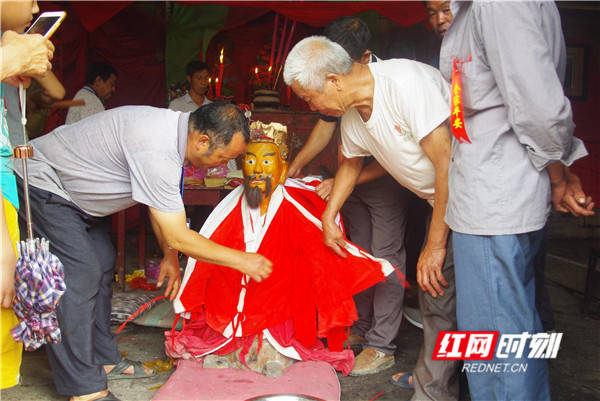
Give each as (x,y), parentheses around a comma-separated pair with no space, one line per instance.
(108,397)
(138,371)
(402,381)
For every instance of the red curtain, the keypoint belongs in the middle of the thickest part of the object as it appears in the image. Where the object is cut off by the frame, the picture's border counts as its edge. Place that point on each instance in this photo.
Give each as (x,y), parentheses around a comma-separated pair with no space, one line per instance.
(121,34)
(320,13)
(95,13)
(130,37)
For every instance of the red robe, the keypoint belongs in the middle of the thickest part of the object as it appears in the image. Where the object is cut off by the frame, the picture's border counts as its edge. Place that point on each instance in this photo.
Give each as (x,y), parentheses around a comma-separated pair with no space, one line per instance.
(310,285)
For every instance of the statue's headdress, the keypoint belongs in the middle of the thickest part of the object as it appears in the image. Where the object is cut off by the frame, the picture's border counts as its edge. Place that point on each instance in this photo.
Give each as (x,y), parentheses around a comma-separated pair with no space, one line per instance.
(274,133)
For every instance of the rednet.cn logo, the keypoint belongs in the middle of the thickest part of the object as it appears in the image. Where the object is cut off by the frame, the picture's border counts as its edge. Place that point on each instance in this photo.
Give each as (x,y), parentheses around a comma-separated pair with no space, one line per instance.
(485,345)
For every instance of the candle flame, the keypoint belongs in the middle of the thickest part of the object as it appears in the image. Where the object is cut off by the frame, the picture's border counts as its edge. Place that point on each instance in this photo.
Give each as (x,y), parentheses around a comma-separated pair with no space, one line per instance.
(209,80)
(256,70)
(217,79)
(270,68)
(221,57)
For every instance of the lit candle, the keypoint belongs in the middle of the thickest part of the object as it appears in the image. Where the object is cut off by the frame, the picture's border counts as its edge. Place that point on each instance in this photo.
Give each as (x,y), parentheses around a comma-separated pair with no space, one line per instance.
(219,80)
(217,87)
(257,76)
(210,85)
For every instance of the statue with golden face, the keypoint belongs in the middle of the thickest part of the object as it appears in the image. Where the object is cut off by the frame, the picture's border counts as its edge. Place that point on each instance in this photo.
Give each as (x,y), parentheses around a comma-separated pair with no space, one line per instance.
(308,295)
(264,170)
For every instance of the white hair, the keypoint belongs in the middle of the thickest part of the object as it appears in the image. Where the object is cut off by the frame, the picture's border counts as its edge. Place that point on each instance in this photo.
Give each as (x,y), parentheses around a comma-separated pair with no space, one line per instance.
(309,62)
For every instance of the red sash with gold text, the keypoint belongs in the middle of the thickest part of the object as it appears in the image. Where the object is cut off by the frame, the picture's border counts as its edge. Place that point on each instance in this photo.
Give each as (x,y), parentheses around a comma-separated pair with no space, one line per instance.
(457,120)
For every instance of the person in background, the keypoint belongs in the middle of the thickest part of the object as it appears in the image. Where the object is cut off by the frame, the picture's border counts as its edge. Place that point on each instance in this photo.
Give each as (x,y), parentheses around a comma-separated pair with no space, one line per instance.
(440,18)
(197,74)
(512,58)
(100,85)
(375,219)
(21,56)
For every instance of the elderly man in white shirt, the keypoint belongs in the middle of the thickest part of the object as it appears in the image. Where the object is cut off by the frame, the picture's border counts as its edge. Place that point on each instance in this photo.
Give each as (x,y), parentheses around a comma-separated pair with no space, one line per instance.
(397,112)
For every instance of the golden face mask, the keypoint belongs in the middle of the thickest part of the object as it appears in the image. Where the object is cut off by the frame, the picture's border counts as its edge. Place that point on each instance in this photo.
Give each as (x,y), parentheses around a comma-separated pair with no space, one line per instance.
(262,162)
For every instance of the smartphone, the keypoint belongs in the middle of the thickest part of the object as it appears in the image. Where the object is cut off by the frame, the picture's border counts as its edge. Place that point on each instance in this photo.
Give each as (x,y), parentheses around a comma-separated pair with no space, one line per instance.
(47,23)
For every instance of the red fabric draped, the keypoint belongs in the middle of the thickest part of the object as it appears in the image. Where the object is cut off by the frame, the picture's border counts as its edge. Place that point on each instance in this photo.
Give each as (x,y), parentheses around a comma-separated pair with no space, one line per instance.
(93,14)
(197,338)
(309,283)
(315,13)
(319,13)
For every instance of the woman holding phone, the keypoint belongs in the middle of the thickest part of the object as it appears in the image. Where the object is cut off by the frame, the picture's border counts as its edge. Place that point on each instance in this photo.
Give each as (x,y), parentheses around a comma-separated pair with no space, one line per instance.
(21,57)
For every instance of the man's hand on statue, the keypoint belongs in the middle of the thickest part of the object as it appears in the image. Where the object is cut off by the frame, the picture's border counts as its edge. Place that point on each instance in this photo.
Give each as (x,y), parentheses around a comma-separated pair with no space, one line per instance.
(334,238)
(256,266)
(573,198)
(169,267)
(429,271)
(324,189)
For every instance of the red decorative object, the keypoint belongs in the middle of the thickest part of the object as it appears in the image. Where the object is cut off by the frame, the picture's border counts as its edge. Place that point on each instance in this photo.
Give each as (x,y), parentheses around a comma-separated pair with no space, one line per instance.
(273,42)
(457,121)
(141,283)
(281,42)
(257,76)
(289,41)
(219,81)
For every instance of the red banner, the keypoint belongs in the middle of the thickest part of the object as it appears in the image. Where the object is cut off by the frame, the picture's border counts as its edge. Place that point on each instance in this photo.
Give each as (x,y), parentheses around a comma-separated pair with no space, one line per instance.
(457,120)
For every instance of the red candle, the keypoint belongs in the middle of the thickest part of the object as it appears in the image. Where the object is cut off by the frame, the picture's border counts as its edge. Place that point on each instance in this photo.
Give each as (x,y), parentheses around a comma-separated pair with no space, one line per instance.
(273,42)
(289,42)
(217,87)
(257,76)
(280,51)
(219,80)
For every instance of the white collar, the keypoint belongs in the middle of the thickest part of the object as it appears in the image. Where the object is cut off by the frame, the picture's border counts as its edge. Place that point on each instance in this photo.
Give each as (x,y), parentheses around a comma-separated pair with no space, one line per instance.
(252,235)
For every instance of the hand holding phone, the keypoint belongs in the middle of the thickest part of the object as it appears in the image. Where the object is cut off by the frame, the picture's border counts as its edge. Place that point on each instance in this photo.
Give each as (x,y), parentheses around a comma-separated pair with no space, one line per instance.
(47,23)
(25,55)
(30,54)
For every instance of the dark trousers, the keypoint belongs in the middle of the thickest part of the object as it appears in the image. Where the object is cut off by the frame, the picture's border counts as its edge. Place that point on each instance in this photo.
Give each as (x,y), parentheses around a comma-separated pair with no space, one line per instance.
(375,217)
(437,379)
(82,243)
